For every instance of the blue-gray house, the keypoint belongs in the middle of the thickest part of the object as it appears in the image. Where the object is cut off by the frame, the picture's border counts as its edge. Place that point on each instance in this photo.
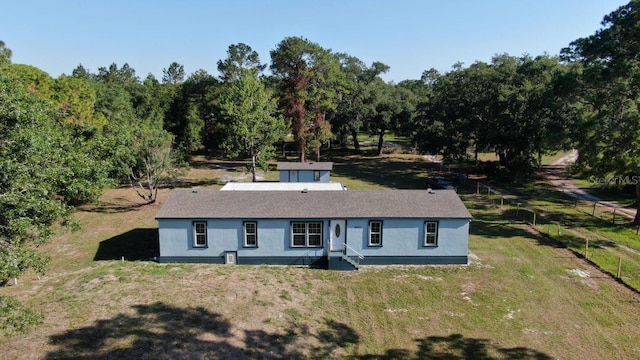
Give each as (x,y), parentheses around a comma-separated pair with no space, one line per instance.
(334,229)
(304,171)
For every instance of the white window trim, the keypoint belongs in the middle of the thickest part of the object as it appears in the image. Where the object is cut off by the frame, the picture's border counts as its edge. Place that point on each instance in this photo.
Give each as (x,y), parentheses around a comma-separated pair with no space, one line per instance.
(371,232)
(426,234)
(316,172)
(306,234)
(244,229)
(195,235)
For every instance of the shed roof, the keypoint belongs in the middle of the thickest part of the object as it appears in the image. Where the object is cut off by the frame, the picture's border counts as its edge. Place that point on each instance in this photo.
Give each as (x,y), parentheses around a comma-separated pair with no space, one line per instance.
(305,166)
(201,204)
(282,186)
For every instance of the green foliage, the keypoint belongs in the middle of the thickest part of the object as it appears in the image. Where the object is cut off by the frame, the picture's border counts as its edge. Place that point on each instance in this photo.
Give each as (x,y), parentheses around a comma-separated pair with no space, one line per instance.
(33,79)
(15,318)
(154,161)
(357,99)
(251,123)
(174,74)
(516,107)
(5,54)
(308,78)
(76,99)
(240,57)
(192,116)
(43,171)
(609,135)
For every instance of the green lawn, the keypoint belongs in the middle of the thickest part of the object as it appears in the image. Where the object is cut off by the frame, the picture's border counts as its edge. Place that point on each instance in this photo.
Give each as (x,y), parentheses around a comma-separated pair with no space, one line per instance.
(572,223)
(521,296)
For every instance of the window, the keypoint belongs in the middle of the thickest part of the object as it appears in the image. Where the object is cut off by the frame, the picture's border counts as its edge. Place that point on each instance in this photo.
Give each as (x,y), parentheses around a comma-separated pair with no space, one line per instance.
(306,234)
(316,175)
(200,234)
(250,234)
(375,233)
(431,233)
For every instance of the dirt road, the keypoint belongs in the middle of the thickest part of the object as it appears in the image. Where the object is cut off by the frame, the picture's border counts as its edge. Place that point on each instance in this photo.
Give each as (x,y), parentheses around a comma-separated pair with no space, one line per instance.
(556,175)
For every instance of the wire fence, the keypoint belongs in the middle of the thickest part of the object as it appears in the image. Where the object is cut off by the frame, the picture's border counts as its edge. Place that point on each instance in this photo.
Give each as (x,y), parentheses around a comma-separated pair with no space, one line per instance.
(585,227)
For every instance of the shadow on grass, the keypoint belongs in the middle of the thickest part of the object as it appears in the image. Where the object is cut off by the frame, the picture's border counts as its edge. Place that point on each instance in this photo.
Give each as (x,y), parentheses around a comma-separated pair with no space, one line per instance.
(162,331)
(136,244)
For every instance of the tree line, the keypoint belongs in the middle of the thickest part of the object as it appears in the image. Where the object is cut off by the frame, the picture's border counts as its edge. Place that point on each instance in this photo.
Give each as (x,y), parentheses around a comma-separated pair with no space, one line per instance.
(65,139)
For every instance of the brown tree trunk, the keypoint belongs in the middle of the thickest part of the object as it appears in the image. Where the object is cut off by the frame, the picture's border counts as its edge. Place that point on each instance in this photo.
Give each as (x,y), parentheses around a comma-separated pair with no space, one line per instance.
(354,137)
(253,167)
(380,141)
(319,120)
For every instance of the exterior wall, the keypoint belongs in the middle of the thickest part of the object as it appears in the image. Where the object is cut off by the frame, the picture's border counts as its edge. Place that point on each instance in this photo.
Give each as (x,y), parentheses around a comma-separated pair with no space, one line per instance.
(274,242)
(402,242)
(303,176)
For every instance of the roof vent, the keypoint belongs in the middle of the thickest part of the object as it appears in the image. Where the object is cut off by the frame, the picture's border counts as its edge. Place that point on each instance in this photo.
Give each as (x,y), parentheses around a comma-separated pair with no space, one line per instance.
(194,191)
(430,191)
(304,191)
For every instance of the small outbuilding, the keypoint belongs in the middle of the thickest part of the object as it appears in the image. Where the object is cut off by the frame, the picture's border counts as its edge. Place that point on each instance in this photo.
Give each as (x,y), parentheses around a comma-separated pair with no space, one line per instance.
(304,171)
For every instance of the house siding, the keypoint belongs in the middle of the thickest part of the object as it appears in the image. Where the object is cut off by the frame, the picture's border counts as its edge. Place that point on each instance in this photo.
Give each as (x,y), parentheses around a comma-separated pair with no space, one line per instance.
(402,242)
(304,176)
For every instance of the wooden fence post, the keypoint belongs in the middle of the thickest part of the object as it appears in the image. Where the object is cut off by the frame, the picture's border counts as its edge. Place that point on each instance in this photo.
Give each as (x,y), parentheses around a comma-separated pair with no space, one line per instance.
(501,202)
(478,187)
(593,213)
(558,229)
(614,216)
(488,190)
(534,219)
(619,267)
(586,248)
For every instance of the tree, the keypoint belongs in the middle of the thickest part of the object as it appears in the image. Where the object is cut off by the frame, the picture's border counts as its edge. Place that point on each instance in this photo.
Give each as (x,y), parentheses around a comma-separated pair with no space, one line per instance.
(357,99)
(5,54)
(609,135)
(174,74)
(43,173)
(394,106)
(154,161)
(251,123)
(240,57)
(193,113)
(307,77)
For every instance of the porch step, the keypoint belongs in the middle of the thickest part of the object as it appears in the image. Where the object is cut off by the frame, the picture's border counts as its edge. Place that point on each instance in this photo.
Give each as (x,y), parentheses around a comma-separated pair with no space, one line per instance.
(342,263)
(353,262)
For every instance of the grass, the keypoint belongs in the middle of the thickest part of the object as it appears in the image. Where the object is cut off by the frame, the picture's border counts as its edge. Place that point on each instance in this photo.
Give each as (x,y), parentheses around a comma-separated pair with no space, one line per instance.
(522,296)
(546,158)
(572,223)
(622,195)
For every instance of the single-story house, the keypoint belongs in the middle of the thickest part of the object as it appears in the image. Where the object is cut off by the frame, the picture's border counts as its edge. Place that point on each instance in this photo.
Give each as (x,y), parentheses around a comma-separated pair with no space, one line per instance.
(334,229)
(304,171)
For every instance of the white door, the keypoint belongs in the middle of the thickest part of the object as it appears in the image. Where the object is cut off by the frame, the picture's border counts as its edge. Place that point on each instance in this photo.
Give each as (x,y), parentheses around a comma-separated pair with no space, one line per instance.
(338,234)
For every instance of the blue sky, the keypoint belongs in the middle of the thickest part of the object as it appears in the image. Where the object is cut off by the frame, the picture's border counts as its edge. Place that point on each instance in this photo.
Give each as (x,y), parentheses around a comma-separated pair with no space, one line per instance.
(408,35)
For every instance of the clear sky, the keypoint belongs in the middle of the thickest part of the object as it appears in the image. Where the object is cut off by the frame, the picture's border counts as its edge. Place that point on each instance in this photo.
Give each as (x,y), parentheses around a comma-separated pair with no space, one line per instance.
(408,35)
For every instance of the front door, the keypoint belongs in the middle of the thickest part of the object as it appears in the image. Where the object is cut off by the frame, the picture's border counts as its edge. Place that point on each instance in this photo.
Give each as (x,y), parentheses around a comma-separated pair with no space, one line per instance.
(293,176)
(338,234)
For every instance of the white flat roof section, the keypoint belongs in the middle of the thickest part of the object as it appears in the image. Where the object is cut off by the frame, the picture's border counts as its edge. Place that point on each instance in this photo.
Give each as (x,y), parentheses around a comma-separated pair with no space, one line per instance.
(279,186)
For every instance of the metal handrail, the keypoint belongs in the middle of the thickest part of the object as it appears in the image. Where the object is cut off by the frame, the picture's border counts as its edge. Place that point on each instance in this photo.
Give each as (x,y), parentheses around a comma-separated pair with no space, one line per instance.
(360,256)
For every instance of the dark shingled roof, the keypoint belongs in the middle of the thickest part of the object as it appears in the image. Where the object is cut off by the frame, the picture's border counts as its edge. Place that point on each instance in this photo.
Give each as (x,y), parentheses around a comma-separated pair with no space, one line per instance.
(198,204)
(305,166)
